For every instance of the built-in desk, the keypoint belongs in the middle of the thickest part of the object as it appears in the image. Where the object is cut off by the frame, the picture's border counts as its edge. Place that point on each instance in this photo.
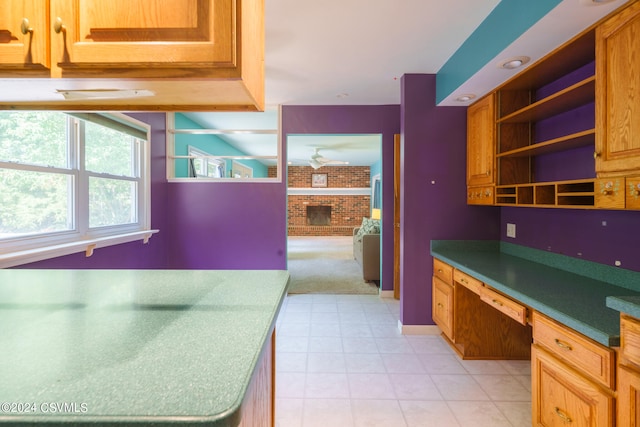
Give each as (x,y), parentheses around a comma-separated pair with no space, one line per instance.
(498,300)
(568,290)
(129,347)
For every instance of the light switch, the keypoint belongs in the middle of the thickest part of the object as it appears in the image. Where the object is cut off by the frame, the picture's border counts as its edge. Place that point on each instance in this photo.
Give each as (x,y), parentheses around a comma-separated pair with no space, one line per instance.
(511,230)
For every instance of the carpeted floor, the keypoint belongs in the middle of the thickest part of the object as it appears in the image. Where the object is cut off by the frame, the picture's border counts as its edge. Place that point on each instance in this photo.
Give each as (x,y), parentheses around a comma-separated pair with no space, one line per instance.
(325,265)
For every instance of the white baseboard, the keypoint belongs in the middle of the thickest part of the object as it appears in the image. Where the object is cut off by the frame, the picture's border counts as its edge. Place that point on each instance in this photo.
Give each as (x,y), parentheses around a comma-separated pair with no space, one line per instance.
(386,294)
(418,329)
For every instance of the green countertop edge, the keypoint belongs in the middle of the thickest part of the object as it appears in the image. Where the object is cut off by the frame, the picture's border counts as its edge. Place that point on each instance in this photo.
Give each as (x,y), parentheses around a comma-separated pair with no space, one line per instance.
(621,281)
(629,305)
(227,418)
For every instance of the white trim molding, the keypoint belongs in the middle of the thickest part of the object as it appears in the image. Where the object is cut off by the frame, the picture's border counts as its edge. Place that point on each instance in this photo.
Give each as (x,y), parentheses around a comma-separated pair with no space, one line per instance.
(303,191)
(418,329)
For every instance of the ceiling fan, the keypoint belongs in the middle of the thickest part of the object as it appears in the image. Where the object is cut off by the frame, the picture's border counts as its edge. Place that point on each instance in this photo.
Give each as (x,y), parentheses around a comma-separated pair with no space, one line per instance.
(317,160)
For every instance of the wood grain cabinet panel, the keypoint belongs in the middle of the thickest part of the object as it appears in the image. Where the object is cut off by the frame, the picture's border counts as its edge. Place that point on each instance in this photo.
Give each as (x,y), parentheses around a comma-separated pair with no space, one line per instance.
(24,51)
(139,36)
(471,283)
(442,309)
(562,397)
(481,150)
(628,397)
(443,271)
(617,100)
(591,358)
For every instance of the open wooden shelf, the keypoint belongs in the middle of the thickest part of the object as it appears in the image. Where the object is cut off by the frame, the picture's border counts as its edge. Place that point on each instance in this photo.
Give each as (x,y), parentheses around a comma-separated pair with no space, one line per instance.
(566,142)
(567,99)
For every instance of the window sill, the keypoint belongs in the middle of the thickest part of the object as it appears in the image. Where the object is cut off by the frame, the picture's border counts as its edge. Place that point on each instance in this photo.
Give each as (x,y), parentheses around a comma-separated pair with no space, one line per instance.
(12,259)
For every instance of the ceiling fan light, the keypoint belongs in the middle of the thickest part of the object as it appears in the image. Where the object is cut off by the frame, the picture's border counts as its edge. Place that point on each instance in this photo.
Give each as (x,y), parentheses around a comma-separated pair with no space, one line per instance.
(315,164)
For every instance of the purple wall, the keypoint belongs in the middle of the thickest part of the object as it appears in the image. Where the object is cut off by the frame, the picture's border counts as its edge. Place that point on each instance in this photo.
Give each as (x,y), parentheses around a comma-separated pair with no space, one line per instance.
(134,254)
(354,119)
(202,225)
(573,232)
(433,191)
(228,225)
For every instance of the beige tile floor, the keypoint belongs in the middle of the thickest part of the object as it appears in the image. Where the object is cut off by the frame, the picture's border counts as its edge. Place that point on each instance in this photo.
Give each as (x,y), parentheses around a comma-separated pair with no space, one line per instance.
(341,361)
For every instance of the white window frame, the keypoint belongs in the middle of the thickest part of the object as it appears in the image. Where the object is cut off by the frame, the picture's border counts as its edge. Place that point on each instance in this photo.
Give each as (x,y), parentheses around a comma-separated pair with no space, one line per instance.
(207,160)
(82,238)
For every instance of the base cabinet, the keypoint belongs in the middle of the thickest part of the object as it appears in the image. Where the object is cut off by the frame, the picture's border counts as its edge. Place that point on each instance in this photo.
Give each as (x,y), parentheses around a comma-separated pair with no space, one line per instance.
(443,306)
(628,397)
(563,397)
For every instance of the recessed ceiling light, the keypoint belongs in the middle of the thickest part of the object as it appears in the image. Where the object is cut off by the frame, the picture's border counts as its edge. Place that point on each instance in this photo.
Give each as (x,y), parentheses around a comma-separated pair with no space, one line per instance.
(594,2)
(466,97)
(513,63)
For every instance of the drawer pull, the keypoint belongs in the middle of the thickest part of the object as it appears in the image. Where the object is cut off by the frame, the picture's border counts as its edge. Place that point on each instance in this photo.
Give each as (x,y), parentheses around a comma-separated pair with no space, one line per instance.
(563,345)
(496,302)
(440,305)
(566,418)
(440,270)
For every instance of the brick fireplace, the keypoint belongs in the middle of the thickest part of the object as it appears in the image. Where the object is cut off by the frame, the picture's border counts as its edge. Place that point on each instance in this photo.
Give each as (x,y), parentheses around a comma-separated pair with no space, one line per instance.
(331,211)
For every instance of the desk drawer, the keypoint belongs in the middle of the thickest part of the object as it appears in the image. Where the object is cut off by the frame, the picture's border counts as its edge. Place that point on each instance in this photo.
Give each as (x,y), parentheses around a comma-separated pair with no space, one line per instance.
(443,271)
(591,358)
(630,339)
(467,281)
(516,311)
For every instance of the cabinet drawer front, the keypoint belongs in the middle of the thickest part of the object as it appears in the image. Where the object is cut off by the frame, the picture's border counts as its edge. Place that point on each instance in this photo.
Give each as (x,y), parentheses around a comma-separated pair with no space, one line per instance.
(633,193)
(507,306)
(467,281)
(630,339)
(443,271)
(589,357)
(562,397)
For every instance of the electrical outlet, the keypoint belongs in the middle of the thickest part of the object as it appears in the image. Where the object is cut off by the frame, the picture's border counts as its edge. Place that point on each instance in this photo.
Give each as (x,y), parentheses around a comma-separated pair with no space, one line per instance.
(511,230)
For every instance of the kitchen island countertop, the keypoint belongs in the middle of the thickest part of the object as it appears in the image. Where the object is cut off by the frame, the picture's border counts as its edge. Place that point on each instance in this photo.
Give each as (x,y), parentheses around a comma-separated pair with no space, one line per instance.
(125,347)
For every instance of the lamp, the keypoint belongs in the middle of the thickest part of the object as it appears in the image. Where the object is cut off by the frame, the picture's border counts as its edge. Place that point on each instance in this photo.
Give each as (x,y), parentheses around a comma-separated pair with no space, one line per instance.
(376,213)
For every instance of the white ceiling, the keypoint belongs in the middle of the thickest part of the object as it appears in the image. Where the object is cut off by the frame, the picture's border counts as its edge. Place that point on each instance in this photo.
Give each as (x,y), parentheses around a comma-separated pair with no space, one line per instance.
(354,52)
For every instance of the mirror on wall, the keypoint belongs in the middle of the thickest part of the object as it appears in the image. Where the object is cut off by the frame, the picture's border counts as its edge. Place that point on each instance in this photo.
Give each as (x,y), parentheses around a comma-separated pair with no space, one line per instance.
(223,146)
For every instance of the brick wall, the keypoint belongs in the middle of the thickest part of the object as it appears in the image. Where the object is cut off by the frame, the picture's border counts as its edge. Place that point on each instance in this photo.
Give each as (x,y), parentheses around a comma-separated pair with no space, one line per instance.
(346,211)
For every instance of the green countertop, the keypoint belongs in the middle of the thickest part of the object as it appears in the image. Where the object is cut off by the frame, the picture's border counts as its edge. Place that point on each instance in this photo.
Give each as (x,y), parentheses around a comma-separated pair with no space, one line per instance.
(625,304)
(573,292)
(123,347)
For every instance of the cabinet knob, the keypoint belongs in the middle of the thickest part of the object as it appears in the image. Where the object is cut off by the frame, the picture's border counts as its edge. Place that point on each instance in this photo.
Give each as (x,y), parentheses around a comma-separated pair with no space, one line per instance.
(596,154)
(58,26)
(25,28)
(607,188)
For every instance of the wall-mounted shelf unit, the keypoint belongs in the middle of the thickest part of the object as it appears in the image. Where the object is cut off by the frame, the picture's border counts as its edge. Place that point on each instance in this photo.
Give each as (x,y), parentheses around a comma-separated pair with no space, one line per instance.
(571,194)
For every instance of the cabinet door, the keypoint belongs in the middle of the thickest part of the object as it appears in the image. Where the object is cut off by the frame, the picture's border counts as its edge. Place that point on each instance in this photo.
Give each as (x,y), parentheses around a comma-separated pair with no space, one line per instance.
(481,142)
(617,86)
(132,34)
(628,397)
(442,306)
(561,396)
(23,52)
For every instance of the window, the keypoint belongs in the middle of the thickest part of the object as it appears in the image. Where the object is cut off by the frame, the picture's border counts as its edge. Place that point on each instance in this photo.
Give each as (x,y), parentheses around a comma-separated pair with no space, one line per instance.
(70,183)
(202,164)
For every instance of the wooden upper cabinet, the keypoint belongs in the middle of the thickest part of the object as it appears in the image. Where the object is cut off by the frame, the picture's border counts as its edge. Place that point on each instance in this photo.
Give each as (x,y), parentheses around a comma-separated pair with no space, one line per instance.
(481,142)
(24,36)
(617,93)
(149,55)
(141,38)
